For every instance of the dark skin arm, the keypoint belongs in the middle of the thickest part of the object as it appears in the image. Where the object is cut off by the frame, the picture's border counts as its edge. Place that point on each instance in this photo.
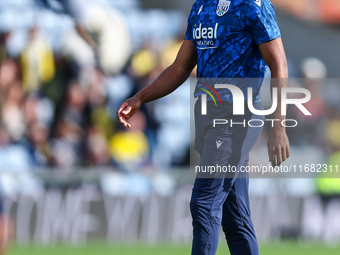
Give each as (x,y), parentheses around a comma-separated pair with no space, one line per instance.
(274,55)
(169,80)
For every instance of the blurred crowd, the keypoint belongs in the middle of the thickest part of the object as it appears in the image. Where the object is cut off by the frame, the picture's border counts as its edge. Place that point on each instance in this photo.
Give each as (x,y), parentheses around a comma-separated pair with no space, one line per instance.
(323,10)
(67,65)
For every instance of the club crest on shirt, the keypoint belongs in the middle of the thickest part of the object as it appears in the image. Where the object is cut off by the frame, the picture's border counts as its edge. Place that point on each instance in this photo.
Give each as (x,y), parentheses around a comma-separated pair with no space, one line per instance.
(222,7)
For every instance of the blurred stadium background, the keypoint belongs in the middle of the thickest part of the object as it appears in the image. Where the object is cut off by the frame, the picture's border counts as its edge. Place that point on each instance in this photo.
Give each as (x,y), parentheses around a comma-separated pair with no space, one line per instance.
(72,177)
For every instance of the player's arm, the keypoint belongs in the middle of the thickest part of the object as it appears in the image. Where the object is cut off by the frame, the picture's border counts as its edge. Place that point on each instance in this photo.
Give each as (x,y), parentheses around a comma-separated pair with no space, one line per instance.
(275,57)
(169,80)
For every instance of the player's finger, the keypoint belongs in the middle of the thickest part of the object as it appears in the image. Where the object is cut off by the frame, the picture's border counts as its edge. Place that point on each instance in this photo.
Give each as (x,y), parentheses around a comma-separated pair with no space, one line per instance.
(279,156)
(120,116)
(272,157)
(124,121)
(288,152)
(121,108)
(127,124)
(273,161)
(284,154)
(127,110)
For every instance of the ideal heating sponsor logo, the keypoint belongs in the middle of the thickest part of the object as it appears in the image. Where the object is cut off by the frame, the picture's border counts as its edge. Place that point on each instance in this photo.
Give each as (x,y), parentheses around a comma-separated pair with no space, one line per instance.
(205,36)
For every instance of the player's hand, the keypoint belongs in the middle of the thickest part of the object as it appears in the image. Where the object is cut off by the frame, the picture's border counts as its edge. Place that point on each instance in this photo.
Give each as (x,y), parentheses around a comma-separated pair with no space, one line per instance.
(278,146)
(127,109)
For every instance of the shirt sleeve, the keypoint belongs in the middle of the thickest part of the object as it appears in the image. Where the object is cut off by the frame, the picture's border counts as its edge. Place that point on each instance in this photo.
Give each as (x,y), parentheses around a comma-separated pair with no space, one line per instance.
(261,21)
(188,33)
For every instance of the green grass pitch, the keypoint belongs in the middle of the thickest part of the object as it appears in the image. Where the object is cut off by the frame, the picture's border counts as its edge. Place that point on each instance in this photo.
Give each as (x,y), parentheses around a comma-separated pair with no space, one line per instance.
(291,248)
